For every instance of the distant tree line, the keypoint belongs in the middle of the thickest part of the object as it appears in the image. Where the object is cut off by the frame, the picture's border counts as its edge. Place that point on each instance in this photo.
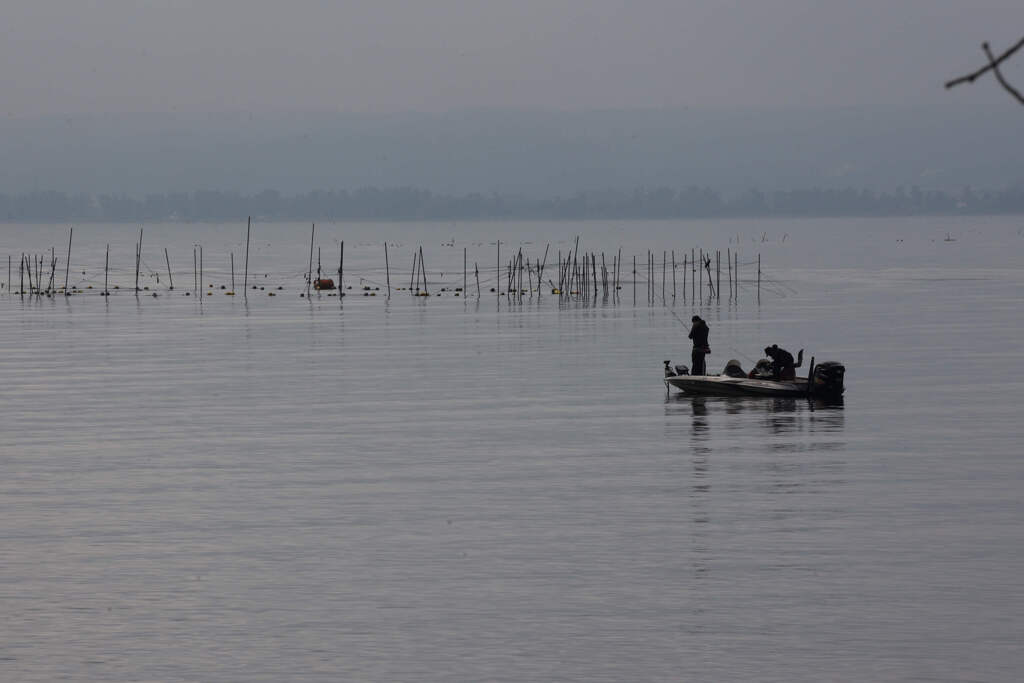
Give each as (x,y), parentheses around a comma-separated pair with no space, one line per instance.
(405,203)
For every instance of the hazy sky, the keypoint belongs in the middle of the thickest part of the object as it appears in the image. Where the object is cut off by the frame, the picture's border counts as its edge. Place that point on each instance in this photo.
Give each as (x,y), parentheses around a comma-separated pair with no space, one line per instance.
(438,55)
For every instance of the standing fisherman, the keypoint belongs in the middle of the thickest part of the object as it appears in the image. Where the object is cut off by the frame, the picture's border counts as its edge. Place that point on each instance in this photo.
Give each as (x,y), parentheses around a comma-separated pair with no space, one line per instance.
(699,335)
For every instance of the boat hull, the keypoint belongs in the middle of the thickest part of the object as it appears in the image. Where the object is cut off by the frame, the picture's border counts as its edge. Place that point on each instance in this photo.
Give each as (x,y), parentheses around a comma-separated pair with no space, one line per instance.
(723,385)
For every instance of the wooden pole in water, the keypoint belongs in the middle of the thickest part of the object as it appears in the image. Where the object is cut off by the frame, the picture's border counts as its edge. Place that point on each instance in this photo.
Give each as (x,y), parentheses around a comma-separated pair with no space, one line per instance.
(412,276)
(341,269)
(634,280)
(758,278)
(106,270)
(685,272)
(200,268)
(728,262)
(559,272)
(245,278)
(170,278)
(67,269)
(309,273)
(423,271)
(701,269)
(673,274)
(476,271)
(465,268)
(648,277)
(138,260)
(664,263)
(387,266)
(497,277)
(21,275)
(8,274)
(693,276)
(232,272)
(195,270)
(718,274)
(540,271)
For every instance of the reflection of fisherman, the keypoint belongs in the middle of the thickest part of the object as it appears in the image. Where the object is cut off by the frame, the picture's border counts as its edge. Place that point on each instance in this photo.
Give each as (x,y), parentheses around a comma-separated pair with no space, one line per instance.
(783,367)
(699,335)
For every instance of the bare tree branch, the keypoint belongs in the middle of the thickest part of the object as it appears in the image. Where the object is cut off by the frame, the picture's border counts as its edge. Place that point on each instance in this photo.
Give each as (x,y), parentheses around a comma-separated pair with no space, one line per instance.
(999,76)
(993,63)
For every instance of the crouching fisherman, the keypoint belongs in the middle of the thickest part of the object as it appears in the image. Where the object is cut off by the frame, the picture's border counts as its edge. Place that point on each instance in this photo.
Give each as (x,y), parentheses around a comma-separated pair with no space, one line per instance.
(699,335)
(783,365)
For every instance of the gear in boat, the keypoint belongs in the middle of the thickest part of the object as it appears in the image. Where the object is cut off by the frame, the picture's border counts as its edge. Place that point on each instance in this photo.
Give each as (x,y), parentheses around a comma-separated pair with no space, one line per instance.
(823,380)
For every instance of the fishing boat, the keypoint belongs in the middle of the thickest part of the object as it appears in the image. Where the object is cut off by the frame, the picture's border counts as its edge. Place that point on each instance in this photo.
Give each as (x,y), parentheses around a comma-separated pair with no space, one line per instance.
(824,380)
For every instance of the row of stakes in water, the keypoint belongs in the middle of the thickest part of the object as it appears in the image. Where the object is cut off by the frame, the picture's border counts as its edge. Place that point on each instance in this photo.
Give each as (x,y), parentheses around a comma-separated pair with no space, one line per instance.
(367,291)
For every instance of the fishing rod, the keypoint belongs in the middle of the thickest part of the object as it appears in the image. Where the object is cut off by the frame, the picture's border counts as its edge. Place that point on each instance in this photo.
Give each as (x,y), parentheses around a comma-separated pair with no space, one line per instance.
(682,322)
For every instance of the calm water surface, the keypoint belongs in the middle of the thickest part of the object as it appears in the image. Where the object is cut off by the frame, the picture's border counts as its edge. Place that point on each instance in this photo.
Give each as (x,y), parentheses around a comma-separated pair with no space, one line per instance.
(453,489)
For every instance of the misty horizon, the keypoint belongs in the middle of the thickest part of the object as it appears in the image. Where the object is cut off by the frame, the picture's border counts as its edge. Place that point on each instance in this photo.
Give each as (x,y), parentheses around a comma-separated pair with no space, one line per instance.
(534,153)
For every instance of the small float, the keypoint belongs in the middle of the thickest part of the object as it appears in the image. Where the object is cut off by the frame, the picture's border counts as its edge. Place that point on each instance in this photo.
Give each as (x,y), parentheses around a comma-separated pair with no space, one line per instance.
(323,284)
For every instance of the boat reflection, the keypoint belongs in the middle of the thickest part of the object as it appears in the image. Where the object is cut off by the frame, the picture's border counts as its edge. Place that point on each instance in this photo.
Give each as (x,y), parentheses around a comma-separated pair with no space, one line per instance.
(755,453)
(780,415)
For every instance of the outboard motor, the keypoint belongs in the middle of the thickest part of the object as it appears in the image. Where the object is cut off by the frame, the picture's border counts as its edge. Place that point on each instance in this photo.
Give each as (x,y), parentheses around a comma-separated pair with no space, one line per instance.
(828,379)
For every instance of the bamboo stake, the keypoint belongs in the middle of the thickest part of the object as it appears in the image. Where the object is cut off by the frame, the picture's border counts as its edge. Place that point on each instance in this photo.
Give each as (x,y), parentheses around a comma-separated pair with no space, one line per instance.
(758,278)
(540,271)
(195,270)
(245,278)
(423,270)
(341,269)
(718,274)
(387,267)
(728,262)
(497,277)
(67,270)
(664,260)
(232,272)
(309,273)
(200,268)
(476,271)
(106,270)
(168,259)
(138,261)
(685,272)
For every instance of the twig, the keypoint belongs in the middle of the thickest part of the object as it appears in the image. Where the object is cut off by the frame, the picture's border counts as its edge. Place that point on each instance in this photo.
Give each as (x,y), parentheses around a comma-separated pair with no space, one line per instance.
(999,76)
(992,64)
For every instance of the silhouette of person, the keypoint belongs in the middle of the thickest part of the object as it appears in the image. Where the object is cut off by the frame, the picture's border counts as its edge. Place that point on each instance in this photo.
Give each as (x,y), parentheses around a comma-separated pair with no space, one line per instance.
(699,335)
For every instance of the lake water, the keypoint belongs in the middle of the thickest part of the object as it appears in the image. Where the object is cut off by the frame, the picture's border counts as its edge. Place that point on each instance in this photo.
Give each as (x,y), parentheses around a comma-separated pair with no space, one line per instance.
(459,489)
